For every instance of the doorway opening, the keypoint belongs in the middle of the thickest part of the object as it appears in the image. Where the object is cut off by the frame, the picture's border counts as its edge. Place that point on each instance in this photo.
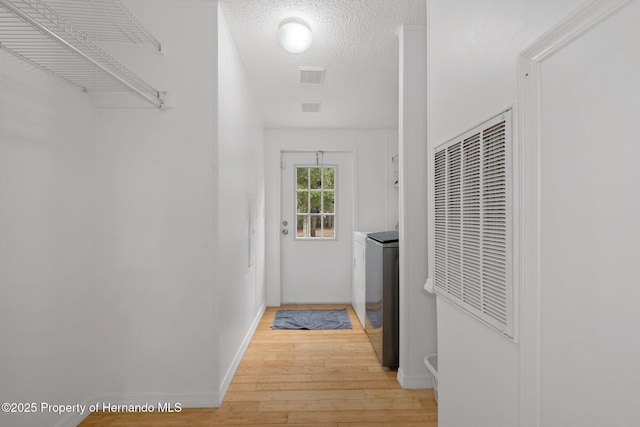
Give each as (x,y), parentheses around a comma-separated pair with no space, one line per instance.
(316,225)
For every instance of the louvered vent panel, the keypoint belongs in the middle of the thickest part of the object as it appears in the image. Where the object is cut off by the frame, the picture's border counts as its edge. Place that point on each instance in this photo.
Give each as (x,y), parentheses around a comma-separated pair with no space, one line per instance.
(495,222)
(440,217)
(310,107)
(311,75)
(473,222)
(454,221)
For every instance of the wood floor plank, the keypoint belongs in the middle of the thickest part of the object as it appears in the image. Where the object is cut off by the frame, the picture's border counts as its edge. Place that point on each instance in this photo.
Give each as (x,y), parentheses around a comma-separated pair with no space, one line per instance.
(239,406)
(244,386)
(311,395)
(251,418)
(382,417)
(416,424)
(240,378)
(304,370)
(281,425)
(339,405)
(297,378)
(327,385)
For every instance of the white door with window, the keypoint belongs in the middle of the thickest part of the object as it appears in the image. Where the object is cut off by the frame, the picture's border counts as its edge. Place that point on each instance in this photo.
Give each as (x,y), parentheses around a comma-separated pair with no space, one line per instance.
(316,224)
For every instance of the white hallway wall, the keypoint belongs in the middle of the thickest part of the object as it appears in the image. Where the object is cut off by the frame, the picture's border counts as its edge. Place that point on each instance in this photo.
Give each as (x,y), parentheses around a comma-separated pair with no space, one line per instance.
(473,52)
(376,204)
(241,288)
(47,241)
(110,225)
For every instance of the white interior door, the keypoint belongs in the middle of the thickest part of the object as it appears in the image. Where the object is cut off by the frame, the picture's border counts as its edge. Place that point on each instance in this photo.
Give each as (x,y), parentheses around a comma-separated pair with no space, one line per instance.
(316,226)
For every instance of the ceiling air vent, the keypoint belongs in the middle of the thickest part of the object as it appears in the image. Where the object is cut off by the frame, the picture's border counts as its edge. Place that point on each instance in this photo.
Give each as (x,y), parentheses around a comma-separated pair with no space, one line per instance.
(311,75)
(311,107)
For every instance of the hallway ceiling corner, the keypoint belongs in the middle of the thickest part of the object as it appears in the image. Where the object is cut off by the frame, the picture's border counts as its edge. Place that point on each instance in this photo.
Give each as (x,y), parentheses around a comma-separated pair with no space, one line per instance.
(355,40)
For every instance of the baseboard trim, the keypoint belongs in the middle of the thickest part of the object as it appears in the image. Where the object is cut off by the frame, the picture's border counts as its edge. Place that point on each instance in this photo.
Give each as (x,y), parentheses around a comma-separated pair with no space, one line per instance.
(186,400)
(422,381)
(226,382)
(73,419)
(160,402)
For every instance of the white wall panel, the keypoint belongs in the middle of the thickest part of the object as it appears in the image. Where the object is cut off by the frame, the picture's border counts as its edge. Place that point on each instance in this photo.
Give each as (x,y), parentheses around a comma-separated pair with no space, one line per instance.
(417,308)
(47,241)
(158,175)
(241,288)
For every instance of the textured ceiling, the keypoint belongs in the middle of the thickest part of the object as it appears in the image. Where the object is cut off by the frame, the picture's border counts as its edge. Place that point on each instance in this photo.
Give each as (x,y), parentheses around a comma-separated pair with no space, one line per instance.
(357,42)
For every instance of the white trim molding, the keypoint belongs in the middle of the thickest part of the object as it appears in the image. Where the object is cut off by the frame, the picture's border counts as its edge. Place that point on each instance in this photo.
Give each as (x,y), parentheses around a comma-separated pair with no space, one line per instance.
(186,400)
(226,381)
(529,86)
(172,402)
(423,381)
(74,418)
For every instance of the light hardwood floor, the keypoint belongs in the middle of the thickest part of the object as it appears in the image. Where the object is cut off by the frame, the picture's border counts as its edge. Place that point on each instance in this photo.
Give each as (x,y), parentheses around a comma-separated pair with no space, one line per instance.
(303,378)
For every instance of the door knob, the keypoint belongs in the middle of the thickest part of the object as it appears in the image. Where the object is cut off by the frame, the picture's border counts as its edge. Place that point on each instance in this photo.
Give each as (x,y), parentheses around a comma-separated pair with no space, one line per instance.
(285,231)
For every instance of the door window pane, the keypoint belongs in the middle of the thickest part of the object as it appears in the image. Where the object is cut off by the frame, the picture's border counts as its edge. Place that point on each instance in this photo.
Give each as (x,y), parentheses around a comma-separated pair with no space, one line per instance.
(328,202)
(315,178)
(303,202)
(316,201)
(328,229)
(302,178)
(315,225)
(302,225)
(329,178)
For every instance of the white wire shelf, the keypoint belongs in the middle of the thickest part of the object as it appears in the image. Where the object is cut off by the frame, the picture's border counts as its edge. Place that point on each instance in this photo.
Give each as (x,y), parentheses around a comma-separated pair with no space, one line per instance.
(104,20)
(35,32)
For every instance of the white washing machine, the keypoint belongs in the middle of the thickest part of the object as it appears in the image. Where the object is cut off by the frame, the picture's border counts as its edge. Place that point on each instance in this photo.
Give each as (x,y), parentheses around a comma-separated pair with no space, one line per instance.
(358,275)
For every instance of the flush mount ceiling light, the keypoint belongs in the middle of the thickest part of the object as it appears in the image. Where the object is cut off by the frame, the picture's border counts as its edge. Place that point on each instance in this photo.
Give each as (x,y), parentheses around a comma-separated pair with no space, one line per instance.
(294,35)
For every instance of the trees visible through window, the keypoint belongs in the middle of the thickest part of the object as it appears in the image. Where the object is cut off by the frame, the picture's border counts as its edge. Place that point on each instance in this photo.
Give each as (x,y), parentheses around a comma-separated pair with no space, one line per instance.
(315,202)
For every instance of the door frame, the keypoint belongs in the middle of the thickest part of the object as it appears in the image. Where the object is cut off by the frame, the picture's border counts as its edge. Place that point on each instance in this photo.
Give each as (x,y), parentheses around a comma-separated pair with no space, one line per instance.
(278,197)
